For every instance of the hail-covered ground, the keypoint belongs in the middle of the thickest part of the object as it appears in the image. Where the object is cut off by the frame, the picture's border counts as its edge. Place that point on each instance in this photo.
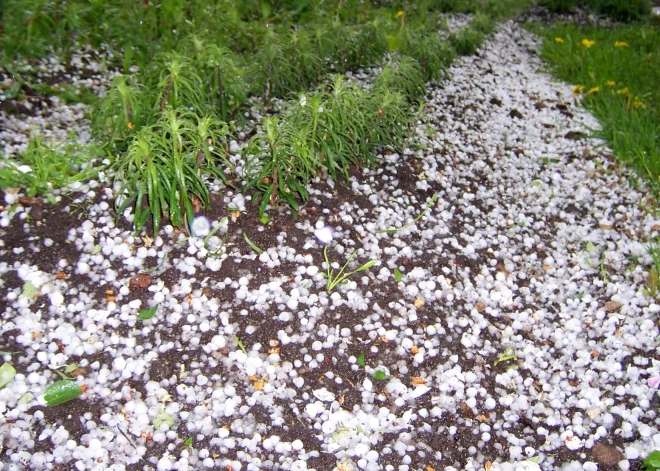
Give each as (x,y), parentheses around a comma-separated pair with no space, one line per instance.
(509,327)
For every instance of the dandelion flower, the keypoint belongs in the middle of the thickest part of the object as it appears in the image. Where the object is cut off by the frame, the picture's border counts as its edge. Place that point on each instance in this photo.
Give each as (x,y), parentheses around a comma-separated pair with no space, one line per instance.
(623,91)
(578,89)
(638,103)
(610,83)
(588,43)
(559,40)
(593,90)
(620,44)
(324,235)
(400,13)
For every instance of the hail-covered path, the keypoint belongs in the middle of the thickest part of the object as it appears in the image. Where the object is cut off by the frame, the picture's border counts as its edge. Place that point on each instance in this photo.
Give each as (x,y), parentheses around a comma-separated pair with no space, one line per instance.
(510,327)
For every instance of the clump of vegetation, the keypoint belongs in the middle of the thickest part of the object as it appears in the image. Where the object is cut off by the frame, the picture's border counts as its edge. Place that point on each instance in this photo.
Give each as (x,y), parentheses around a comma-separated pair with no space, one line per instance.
(189,68)
(622,10)
(43,168)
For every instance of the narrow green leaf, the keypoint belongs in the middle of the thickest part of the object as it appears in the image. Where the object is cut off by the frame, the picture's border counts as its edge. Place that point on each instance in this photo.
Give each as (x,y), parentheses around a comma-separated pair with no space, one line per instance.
(379,375)
(361,360)
(251,244)
(366,266)
(398,276)
(7,373)
(61,392)
(146,314)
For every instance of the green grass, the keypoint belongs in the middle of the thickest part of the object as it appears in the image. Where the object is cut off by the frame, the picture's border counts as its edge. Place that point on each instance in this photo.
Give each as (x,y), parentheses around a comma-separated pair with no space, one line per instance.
(622,10)
(43,168)
(616,73)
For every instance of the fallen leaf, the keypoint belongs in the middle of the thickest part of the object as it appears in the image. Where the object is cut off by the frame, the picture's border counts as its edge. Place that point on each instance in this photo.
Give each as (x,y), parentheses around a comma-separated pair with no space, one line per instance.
(419,302)
(547,267)
(148,241)
(235,214)
(190,297)
(140,281)
(612,306)
(383,339)
(487,465)
(110,299)
(414,350)
(418,380)
(606,227)
(480,307)
(30,201)
(60,275)
(594,354)
(606,454)
(274,351)
(428,468)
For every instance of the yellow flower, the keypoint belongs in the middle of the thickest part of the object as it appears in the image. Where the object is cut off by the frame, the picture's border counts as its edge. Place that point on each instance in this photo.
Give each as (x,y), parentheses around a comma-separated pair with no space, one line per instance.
(588,43)
(637,103)
(559,40)
(620,44)
(578,89)
(400,13)
(593,90)
(610,83)
(623,91)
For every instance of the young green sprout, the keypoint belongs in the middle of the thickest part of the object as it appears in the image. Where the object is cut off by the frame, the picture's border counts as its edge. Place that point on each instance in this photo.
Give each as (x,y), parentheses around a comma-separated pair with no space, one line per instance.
(324,236)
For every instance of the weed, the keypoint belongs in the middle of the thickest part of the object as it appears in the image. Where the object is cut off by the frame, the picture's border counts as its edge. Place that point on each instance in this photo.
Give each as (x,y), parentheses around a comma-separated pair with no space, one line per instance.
(43,167)
(162,171)
(616,79)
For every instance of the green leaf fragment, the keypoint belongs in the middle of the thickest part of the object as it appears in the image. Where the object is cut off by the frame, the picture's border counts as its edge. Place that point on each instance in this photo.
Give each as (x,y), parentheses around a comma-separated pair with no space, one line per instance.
(163,418)
(7,373)
(252,245)
(71,368)
(96,249)
(398,276)
(361,360)
(652,461)
(61,392)
(379,375)
(591,248)
(146,314)
(188,442)
(29,291)
(264,219)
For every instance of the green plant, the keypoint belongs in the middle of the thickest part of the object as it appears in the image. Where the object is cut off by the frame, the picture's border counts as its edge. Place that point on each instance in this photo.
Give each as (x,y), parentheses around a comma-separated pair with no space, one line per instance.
(508,355)
(466,41)
(652,461)
(161,174)
(43,167)
(615,76)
